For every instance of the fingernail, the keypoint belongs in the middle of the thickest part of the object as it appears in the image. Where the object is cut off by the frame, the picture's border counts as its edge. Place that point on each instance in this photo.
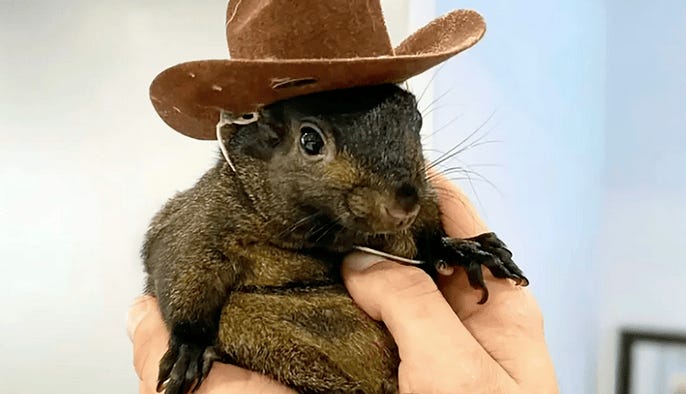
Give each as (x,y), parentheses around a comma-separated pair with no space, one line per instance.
(137,312)
(359,261)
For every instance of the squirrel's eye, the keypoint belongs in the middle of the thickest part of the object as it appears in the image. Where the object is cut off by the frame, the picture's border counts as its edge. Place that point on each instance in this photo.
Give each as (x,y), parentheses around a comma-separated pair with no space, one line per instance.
(311,139)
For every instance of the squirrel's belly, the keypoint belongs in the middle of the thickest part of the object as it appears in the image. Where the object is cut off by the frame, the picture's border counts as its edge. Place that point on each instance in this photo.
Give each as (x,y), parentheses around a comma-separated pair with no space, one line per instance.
(312,339)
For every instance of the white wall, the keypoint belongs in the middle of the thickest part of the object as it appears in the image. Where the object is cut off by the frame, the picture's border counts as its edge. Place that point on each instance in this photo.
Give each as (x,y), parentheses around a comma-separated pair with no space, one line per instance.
(84,164)
(644,221)
(541,68)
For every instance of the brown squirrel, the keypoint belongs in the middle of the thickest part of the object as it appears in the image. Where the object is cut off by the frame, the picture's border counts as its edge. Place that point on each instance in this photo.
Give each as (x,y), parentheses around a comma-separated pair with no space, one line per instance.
(245,264)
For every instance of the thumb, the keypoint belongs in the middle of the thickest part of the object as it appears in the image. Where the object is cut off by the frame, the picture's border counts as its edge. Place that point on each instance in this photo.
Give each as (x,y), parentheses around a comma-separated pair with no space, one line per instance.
(407,300)
(429,335)
(381,287)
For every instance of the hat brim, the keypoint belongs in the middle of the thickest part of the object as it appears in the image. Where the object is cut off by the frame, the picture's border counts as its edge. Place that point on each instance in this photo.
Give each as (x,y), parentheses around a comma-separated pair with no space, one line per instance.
(189,96)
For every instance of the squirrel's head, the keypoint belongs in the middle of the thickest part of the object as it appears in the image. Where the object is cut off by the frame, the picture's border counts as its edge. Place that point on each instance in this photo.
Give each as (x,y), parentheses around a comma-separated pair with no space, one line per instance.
(348,159)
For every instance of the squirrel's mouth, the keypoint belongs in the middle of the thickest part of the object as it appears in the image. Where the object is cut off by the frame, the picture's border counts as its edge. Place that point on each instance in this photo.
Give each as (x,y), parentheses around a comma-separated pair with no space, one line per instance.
(340,233)
(341,228)
(383,225)
(386,210)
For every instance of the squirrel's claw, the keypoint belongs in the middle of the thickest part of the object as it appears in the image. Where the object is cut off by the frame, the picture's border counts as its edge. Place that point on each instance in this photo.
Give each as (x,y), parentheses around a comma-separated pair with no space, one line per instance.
(483,250)
(184,367)
(209,356)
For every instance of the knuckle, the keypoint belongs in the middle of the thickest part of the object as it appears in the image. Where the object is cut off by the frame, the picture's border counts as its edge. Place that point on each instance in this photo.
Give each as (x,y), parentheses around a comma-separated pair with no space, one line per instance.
(410,282)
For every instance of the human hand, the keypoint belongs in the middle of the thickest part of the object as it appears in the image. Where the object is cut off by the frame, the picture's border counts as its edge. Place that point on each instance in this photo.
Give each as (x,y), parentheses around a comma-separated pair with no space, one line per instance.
(150,336)
(448,343)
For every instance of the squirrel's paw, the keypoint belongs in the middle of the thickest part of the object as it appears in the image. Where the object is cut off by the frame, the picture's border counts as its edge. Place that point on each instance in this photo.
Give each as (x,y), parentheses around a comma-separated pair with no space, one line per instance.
(483,250)
(184,367)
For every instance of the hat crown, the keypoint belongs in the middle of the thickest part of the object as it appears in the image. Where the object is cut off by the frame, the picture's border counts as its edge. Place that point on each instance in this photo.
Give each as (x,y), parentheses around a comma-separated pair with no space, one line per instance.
(306,29)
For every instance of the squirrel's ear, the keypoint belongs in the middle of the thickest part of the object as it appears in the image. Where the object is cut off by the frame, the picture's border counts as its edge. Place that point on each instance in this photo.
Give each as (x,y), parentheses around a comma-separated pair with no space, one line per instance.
(260,140)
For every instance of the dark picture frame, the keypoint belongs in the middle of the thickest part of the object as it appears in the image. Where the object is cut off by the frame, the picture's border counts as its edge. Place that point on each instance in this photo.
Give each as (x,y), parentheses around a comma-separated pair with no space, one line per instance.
(629,340)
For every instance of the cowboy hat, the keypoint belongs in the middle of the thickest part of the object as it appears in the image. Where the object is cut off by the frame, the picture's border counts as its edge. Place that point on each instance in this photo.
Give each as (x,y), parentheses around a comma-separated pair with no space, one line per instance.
(285,48)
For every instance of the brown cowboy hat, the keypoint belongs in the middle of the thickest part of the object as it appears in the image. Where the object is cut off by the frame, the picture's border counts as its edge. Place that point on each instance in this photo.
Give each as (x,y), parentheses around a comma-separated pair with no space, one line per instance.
(286,48)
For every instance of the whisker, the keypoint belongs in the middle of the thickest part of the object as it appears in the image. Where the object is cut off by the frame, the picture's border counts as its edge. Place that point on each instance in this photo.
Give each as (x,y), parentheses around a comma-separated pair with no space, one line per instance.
(330,226)
(297,224)
(446,193)
(438,130)
(476,194)
(464,165)
(468,173)
(449,195)
(426,88)
(436,100)
(463,141)
(449,155)
(442,106)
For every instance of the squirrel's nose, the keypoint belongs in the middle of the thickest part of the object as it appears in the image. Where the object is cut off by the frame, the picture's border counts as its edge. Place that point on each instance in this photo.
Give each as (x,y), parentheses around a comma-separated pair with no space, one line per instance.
(398,216)
(406,195)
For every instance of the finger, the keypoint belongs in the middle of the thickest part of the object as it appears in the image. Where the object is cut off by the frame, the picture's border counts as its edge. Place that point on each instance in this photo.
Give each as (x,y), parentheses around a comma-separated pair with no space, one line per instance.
(224,378)
(150,338)
(460,218)
(137,312)
(509,327)
(147,332)
(429,335)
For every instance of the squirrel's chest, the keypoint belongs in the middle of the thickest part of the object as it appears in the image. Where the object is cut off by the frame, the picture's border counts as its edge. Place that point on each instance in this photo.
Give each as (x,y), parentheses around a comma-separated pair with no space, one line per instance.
(264,265)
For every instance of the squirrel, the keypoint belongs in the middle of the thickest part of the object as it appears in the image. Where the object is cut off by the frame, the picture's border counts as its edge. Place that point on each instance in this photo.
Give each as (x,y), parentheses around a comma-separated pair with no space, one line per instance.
(245,264)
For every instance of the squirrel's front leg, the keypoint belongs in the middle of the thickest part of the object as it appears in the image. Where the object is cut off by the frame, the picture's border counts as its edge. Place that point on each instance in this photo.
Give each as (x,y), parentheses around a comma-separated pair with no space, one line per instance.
(190,298)
(483,250)
(439,250)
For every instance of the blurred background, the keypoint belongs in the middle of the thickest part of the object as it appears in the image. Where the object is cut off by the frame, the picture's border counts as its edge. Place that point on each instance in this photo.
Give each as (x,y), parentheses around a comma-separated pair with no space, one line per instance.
(579,163)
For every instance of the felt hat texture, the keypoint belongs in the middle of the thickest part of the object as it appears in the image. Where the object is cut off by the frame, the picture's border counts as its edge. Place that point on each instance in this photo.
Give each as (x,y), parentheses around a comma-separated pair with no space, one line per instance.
(281,49)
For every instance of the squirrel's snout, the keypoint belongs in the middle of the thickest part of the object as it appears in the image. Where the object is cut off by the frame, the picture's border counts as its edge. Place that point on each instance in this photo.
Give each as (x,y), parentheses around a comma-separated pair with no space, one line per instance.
(406,196)
(398,216)
(387,209)
(401,212)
